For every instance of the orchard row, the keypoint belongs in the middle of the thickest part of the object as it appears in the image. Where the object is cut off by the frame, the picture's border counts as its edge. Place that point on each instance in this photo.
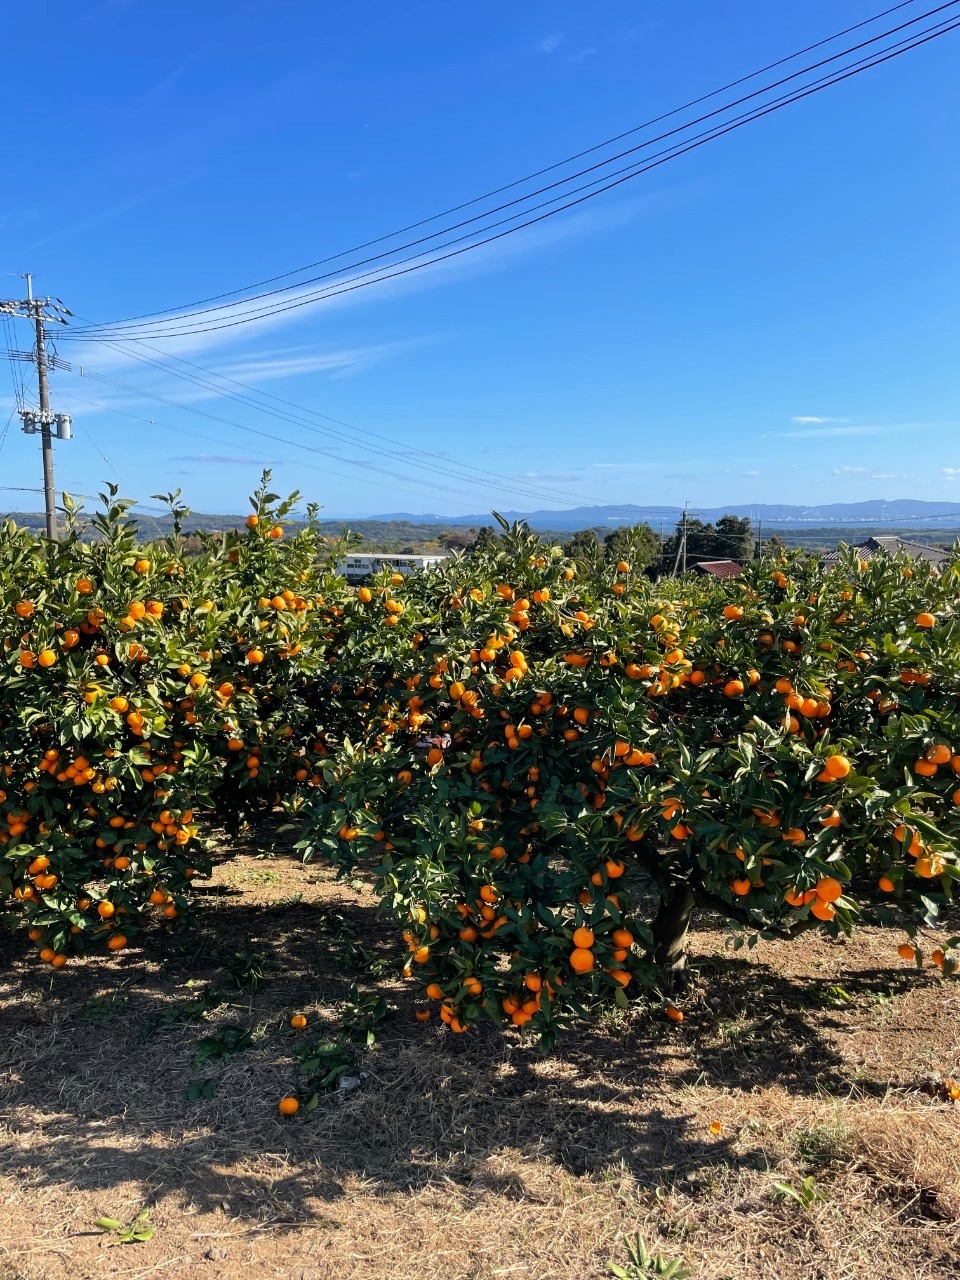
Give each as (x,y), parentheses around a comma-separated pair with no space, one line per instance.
(517,742)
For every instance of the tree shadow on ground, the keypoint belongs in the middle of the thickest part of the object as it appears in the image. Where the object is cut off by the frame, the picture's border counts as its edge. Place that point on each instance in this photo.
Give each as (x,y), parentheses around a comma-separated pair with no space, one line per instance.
(268,837)
(97,1063)
(760,1027)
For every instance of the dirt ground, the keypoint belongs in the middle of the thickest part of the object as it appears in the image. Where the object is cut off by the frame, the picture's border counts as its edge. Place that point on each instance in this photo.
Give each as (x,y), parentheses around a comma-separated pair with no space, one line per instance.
(479,1156)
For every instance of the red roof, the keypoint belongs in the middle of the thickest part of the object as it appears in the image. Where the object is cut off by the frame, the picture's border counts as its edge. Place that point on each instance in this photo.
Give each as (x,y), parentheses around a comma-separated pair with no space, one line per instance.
(720,568)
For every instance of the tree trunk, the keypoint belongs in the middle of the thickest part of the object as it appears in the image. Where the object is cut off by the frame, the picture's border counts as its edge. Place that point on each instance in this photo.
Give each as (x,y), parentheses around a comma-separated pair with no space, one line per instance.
(670,929)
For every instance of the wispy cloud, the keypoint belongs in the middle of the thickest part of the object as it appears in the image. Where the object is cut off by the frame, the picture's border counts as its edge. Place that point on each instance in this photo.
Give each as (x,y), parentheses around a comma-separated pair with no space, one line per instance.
(952,473)
(219,460)
(167,82)
(873,429)
(864,471)
(291,364)
(626,466)
(376,289)
(626,36)
(265,366)
(813,419)
(749,473)
(553,477)
(95,11)
(111,211)
(550,44)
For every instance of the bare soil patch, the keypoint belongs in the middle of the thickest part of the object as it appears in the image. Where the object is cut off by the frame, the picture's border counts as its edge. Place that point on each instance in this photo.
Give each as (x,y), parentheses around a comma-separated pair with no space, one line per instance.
(477,1156)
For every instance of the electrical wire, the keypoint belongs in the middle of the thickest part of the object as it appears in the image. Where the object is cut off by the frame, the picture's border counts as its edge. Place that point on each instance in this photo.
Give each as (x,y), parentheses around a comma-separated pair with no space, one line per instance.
(193,307)
(450,469)
(707,135)
(501,485)
(326,471)
(362,465)
(92,497)
(871,60)
(6,428)
(381,275)
(165,426)
(471,470)
(874,59)
(650,513)
(16,374)
(88,434)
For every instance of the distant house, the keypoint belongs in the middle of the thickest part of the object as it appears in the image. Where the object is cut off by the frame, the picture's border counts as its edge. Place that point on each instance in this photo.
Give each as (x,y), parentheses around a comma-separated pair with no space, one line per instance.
(357,568)
(891,546)
(719,568)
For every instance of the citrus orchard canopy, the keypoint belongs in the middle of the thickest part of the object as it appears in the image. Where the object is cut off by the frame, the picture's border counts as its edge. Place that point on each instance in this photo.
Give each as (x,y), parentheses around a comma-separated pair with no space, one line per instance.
(550,766)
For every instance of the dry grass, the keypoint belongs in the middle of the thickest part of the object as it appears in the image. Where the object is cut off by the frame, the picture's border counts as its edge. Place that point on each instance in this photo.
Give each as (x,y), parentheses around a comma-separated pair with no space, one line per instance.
(477,1157)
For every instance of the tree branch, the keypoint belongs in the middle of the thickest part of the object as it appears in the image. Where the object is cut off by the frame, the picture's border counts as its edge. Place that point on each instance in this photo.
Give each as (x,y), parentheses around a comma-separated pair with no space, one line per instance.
(731,910)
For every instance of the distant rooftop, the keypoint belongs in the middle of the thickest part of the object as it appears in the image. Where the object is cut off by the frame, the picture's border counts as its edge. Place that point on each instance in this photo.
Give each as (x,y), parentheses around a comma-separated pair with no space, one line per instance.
(892,546)
(719,568)
(391,557)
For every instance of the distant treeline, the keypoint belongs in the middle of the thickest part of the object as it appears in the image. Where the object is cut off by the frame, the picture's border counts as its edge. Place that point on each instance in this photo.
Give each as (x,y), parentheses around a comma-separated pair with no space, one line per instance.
(732,538)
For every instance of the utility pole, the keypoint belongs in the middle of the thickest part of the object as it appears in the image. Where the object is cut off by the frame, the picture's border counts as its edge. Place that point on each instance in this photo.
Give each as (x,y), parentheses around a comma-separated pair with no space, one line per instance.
(46,441)
(41,311)
(682,544)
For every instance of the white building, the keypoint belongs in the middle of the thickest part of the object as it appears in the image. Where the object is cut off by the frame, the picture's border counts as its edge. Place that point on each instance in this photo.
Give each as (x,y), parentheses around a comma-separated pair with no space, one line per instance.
(357,568)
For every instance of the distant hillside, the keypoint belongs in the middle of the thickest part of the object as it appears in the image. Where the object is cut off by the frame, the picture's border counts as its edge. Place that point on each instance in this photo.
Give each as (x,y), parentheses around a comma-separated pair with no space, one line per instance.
(379,535)
(875,511)
(399,534)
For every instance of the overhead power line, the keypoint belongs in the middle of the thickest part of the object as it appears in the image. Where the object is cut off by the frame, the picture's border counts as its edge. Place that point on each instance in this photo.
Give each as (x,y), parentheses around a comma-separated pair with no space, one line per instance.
(593,189)
(325,470)
(424,462)
(202,303)
(471,472)
(266,460)
(190,324)
(92,497)
(13,356)
(365,466)
(6,428)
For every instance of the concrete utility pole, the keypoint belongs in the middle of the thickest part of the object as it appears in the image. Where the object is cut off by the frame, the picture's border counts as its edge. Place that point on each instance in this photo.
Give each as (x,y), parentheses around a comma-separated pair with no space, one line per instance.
(41,311)
(46,442)
(681,545)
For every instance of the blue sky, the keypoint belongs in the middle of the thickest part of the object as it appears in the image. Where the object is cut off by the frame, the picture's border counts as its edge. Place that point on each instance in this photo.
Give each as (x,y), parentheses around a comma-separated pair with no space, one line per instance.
(771,318)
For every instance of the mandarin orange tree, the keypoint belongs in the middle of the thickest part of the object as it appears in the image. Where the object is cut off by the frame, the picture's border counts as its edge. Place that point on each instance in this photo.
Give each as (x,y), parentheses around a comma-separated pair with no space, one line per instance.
(144,691)
(525,742)
(553,763)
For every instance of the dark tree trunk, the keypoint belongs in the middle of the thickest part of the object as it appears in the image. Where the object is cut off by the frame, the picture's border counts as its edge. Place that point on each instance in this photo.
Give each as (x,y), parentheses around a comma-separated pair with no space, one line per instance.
(670,929)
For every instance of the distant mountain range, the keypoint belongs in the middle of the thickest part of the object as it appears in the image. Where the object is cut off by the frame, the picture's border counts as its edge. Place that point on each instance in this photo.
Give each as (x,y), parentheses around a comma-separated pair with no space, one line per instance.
(925,514)
(901,514)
